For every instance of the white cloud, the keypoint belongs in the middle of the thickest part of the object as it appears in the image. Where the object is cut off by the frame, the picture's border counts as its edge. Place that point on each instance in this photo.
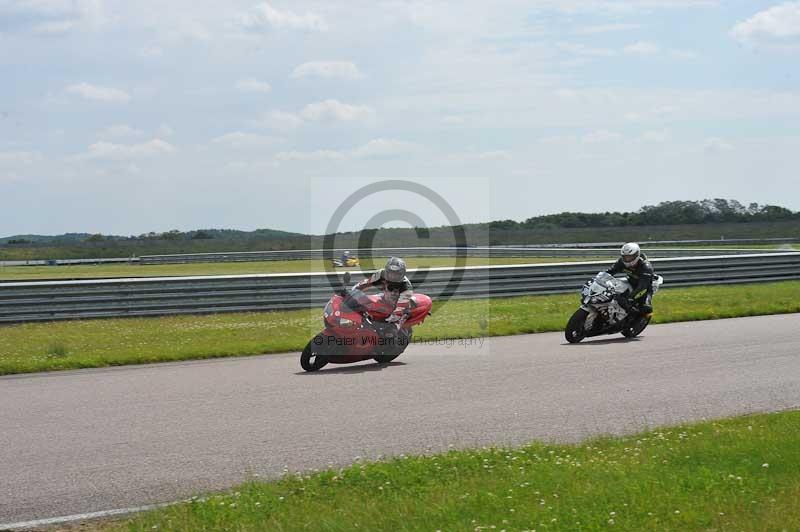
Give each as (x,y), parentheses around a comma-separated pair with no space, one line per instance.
(717,145)
(98,93)
(559,139)
(621,6)
(110,151)
(454,120)
(50,8)
(54,26)
(605,28)
(150,51)
(264,16)
(62,15)
(317,155)
(19,157)
(657,113)
(12,162)
(327,69)
(246,141)
(494,155)
(601,135)
(118,131)
(582,49)
(12,159)
(374,149)
(189,30)
(384,148)
(334,110)
(253,85)
(684,54)
(657,136)
(778,25)
(280,120)
(164,130)
(642,48)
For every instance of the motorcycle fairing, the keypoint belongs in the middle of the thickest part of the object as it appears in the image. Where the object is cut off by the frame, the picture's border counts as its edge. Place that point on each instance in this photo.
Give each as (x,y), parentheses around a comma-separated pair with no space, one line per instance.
(356,334)
(600,298)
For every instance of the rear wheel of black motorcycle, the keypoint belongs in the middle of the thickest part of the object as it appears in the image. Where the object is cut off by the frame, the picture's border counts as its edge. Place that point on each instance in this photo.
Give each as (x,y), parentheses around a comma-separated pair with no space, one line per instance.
(575,331)
(310,359)
(636,329)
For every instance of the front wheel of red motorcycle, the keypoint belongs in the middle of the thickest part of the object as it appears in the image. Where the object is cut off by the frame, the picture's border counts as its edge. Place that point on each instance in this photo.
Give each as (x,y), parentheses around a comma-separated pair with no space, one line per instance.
(310,358)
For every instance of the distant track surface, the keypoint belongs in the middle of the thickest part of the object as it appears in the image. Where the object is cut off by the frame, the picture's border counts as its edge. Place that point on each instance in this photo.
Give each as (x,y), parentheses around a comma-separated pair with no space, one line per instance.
(93,440)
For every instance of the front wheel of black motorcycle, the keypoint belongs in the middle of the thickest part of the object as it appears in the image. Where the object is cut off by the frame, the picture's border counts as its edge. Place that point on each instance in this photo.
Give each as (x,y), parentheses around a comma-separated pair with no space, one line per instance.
(575,331)
(310,358)
(636,329)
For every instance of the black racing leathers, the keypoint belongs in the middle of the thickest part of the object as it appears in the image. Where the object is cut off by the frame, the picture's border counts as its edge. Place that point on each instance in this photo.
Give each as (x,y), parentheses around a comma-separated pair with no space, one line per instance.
(641,278)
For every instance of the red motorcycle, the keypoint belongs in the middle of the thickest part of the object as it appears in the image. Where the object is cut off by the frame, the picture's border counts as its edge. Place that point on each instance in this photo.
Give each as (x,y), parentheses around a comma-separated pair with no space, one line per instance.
(356,330)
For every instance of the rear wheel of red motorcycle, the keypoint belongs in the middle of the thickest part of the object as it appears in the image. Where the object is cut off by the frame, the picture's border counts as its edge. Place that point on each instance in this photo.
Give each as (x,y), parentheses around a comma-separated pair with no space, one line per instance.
(310,359)
(385,359)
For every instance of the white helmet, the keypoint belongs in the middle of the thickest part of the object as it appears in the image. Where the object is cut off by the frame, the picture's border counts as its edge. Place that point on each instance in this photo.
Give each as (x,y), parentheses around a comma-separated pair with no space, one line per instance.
(631,253)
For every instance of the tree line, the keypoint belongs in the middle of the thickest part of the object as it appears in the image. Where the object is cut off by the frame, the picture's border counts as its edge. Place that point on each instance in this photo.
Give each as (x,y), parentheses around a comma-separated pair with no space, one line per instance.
(708,211)
(672,220)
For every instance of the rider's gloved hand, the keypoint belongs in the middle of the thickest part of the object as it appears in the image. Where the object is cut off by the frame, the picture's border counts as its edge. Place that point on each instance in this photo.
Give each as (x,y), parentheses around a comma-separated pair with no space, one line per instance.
(627,303)
(395,320)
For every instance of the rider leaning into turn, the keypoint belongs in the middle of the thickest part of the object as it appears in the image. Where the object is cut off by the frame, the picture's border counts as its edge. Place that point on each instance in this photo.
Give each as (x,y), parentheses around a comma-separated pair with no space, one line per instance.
(397,289)
(634,264)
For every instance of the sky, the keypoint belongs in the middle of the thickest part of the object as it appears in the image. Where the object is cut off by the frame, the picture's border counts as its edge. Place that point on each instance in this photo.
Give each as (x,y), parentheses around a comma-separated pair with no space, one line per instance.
(124,117)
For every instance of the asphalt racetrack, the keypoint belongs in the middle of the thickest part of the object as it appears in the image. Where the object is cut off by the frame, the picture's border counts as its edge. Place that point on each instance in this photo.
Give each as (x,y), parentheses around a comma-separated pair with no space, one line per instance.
(92,440)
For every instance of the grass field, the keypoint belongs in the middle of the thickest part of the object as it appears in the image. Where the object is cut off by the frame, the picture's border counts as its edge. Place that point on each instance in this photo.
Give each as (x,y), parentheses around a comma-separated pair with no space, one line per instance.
(98,343)
(32,273)
(736,474)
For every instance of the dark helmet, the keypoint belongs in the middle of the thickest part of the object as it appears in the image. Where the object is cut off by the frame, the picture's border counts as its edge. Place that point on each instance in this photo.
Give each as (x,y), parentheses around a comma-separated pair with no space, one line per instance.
(395,270)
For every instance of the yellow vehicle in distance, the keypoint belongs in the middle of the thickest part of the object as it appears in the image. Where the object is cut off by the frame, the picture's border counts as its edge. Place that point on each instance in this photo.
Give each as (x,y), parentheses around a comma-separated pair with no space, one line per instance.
(346,261)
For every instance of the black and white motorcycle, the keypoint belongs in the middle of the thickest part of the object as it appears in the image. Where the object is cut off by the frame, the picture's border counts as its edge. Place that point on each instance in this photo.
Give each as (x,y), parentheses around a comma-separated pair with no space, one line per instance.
(602,313)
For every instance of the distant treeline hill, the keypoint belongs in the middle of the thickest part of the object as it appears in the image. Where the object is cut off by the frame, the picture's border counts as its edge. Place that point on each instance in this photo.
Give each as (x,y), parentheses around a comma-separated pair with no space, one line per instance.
(670,220)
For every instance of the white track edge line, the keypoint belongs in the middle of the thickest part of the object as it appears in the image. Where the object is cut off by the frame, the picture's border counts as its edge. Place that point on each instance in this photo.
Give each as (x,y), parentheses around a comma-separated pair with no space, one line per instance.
(82,517)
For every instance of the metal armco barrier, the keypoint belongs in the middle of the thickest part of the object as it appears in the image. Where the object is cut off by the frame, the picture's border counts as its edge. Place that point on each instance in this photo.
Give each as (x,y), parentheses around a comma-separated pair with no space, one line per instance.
(478,251)
(646,243)
(600,249)
(62,300)
(68,262)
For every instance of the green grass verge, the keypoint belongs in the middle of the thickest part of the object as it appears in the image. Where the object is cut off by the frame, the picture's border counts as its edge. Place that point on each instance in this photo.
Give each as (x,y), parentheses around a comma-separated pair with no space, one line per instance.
(97,343)
(736,474)
(33,273)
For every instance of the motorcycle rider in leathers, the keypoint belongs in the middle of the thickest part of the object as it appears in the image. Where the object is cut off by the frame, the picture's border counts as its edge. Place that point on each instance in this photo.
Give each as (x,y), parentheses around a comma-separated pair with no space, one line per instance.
(397,290)
(634,264)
